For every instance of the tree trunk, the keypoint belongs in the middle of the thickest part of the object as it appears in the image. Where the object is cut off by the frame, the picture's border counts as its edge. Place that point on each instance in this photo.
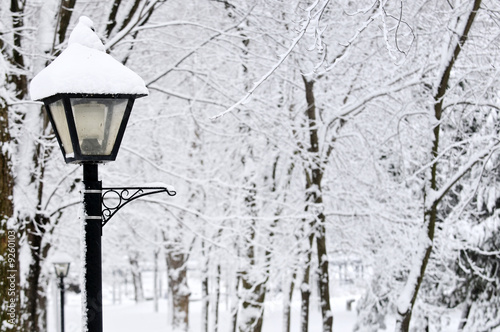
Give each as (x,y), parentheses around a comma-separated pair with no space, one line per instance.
(287,306)
(204,290)
(314,200)
(305,288)
(34,315)
(253,280)
(178,289)
(217,299)
(155,280)
(205,305)
(9,242)
(34,307)
(10,288)
(234,305)
(64,16)
(137,280)
(254,291)
(408,297)
(324,279)
(36,228)
(465,313)
(253,302)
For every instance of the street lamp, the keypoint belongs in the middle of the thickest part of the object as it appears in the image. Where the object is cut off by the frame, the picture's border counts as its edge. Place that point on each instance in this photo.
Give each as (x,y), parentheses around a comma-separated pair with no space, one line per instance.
(61,267)
(88,97)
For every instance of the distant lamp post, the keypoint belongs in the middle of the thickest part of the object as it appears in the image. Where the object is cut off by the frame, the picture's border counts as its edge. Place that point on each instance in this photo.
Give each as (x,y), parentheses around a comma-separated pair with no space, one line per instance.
(61,267)
(88,97)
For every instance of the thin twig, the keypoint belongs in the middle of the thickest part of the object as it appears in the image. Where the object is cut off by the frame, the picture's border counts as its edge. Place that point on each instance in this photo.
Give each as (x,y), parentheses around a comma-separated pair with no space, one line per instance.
(283,57)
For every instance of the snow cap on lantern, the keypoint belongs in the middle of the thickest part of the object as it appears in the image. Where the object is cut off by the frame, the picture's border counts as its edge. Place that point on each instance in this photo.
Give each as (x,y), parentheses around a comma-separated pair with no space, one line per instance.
(84,67)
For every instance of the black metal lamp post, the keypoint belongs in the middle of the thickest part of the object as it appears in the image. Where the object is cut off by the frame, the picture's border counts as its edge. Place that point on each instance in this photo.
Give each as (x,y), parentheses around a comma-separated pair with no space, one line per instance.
(88,98)
(62,269)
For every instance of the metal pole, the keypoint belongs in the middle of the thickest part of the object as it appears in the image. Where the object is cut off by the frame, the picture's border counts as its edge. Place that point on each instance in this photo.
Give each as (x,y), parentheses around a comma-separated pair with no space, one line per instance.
(92,199)
(61,286)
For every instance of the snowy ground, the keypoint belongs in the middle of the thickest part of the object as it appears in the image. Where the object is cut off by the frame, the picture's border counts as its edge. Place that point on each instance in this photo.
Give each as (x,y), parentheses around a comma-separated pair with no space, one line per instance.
(131,317)
(127,316)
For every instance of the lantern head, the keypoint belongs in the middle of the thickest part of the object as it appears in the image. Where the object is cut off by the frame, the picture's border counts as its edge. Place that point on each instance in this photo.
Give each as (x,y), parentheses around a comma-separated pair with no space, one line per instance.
(88,96)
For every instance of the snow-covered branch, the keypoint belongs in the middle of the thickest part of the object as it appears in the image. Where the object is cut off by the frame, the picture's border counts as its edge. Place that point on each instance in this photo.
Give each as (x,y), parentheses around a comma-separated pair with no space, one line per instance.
(435,197)
(282,58)
(187,98)
(194,50)
(137,20)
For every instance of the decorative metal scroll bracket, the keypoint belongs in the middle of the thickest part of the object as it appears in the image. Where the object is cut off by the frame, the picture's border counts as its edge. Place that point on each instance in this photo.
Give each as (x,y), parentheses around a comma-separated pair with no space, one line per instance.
(113,199)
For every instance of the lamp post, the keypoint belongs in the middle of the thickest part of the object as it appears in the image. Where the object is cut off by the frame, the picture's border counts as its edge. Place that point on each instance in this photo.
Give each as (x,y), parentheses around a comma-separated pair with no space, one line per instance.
(88,97)
(62,269)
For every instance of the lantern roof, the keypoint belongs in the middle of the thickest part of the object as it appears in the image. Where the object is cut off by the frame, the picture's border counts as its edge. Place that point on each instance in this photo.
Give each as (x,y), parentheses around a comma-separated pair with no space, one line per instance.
(84,68)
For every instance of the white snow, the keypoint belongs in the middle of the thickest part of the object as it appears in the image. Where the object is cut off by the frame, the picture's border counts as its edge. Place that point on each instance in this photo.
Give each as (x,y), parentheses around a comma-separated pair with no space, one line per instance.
(84,34)
(129,316)
(159,185)
(404,301)
(61,257)
(83,253)
(84,67)
(492,197)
